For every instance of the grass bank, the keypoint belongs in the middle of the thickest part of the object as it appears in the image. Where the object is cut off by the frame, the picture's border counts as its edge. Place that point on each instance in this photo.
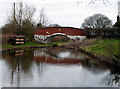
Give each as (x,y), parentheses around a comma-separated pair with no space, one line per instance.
(29,44)
(106,47)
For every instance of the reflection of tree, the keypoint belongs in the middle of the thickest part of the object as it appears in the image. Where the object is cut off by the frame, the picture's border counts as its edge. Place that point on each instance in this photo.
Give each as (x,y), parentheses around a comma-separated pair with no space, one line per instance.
(26,60)
(112,79)
(40,67)
(18,64)
(18,71)
(95,68)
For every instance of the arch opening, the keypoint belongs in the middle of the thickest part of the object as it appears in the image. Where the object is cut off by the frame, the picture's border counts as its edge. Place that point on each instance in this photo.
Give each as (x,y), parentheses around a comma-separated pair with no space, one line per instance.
(57,37)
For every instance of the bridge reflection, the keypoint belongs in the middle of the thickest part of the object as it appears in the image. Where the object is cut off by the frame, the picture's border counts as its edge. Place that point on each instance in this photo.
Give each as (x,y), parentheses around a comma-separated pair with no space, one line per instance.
(52,61)
(58,56)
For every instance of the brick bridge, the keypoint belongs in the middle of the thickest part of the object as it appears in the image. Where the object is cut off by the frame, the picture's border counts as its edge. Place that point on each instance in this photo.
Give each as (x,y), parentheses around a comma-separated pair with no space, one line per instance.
(45,34)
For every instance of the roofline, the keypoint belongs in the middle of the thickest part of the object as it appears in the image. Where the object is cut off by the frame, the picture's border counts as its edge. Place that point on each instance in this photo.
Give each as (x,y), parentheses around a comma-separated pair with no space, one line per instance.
(60,27)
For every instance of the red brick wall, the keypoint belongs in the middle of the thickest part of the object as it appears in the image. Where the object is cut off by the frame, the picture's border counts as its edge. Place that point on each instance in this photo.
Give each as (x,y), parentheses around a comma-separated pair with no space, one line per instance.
(66,30)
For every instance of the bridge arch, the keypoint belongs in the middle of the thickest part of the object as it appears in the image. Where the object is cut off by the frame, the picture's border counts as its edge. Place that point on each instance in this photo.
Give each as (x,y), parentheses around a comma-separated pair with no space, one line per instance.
(53,35)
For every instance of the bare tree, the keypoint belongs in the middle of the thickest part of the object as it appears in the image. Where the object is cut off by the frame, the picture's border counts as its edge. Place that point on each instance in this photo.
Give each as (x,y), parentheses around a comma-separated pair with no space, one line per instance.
(43,20)
(105,2)
(29,13)
(97,21)
(19,14)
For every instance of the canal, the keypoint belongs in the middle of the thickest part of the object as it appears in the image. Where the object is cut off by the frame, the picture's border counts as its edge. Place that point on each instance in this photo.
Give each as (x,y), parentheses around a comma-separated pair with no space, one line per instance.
(55,67)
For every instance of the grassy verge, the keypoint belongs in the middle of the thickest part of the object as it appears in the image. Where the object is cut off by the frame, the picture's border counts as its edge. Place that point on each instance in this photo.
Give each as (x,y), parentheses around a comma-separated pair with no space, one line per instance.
(57,43)
(107,47)
(28,44)
(6,46)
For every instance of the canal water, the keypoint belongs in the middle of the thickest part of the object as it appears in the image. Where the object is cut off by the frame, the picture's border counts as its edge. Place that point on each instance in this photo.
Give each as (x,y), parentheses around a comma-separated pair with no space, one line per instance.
(55,67)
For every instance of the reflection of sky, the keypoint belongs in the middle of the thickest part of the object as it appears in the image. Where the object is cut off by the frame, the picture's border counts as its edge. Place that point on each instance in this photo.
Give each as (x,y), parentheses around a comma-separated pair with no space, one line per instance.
(72,76)
(64,54)
(56,76)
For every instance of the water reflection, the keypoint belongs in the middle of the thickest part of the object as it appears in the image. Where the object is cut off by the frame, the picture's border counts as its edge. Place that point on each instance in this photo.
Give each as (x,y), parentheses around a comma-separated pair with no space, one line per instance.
(58,56)
(55,67)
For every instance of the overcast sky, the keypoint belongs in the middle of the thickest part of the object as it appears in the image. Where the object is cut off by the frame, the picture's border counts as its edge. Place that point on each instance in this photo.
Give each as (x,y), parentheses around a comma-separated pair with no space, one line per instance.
(64,12)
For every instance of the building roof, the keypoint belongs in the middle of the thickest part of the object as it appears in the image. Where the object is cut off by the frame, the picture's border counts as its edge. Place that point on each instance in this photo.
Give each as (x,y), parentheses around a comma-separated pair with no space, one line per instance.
(65,30)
